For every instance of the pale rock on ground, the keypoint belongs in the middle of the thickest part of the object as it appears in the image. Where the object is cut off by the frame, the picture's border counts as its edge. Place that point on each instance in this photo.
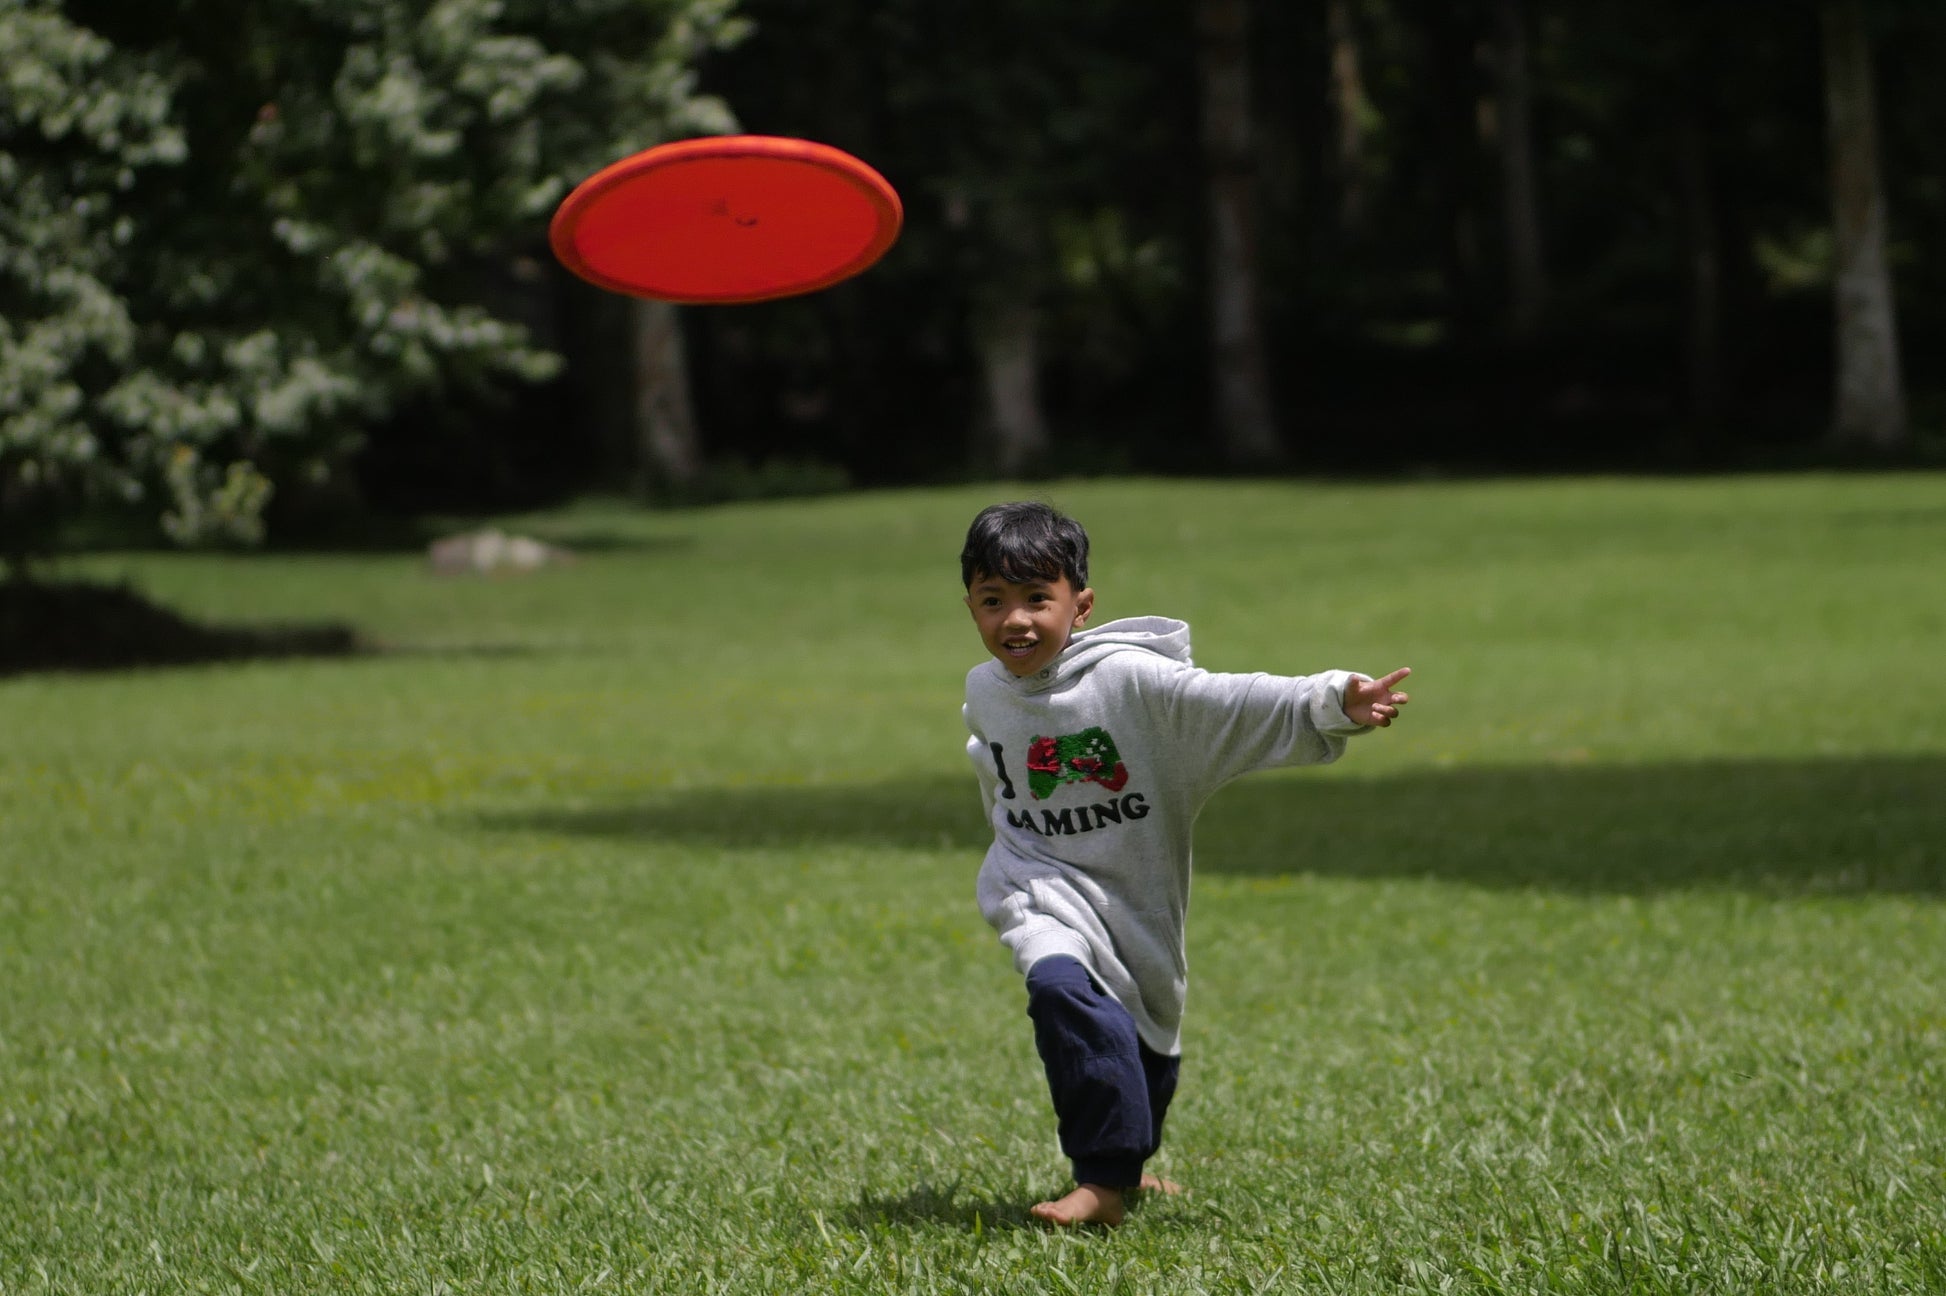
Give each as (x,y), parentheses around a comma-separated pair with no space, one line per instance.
(490,552)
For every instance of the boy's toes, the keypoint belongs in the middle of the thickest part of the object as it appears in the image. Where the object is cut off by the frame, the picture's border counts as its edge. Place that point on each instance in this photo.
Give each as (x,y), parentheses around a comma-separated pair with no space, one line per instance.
(1156,1183)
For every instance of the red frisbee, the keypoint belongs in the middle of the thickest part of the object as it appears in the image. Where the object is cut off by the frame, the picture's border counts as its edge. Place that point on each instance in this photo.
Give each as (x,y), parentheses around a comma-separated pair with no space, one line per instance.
(734,218)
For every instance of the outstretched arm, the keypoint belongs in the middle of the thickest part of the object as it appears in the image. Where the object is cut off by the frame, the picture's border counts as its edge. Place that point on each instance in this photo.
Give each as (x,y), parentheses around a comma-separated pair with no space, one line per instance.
(1373,702)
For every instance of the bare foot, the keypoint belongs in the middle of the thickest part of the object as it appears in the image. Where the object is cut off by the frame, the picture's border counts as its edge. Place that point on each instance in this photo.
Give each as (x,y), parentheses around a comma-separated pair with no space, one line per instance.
(1156,1183)
(1087,1204)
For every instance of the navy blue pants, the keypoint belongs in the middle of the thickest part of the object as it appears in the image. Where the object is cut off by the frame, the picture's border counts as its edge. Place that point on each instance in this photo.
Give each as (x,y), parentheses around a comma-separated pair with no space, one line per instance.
(1110,1090)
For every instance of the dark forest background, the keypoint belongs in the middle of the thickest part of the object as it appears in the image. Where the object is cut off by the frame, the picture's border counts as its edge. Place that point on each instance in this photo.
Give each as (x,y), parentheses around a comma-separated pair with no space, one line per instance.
(1656,294)
(1209,236)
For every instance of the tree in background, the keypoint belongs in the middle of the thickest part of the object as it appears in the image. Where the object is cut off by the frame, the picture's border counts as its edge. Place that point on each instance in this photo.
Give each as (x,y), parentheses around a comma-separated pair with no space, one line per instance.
(640,60)
(1446,114)
(1869,406)
(1245,421)
(1697,84)
(1510,233)
(1037,313)
(247,232)
(669,458)
(1350,109)
(240,237)
(80,123)
(1691,88)
(1513,128)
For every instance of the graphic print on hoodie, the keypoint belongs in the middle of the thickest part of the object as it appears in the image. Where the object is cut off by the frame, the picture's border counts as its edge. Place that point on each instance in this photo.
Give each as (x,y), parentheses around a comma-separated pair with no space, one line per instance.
(1088,756)
(1117,744)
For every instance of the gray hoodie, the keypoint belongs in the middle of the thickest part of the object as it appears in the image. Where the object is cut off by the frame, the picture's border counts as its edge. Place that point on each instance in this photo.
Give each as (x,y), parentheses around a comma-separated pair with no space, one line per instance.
(1093,770)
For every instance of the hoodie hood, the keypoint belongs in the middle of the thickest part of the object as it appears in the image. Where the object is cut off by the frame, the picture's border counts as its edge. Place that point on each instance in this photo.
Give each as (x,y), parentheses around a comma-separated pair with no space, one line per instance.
(1163,636)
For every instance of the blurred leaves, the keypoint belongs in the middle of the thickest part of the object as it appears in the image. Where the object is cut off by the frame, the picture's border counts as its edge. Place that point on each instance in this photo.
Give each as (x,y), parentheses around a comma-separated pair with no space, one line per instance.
(238,234)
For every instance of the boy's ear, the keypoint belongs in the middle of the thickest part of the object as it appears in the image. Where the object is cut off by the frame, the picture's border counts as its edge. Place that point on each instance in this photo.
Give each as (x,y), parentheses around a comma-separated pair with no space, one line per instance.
(1084,603)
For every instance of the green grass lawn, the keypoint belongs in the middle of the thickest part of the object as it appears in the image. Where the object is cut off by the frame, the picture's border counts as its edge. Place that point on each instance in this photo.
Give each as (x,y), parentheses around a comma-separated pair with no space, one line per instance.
(612,929)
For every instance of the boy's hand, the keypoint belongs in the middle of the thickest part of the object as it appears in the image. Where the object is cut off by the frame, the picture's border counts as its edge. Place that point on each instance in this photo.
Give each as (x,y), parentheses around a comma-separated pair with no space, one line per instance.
(1372,702)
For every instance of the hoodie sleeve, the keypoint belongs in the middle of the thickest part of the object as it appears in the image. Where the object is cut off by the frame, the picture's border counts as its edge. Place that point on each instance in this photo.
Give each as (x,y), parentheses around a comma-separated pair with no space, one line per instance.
(1221,726)
(983,762)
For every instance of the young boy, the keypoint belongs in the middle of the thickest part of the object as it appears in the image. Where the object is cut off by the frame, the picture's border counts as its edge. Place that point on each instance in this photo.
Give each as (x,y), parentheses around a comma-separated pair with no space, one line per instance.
(1095,749)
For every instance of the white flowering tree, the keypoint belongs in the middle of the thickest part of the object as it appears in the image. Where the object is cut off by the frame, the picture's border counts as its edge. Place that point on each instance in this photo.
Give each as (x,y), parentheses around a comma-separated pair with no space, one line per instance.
(238,233)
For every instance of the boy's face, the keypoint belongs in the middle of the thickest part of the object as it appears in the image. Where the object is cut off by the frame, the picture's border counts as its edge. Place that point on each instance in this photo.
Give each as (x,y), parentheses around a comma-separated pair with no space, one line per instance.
(1025,626)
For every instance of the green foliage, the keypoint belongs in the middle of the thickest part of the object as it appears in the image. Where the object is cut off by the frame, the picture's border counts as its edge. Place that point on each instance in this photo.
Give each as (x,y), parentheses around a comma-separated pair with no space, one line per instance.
(78,120)
(244,232)
(230,507)
(601,941)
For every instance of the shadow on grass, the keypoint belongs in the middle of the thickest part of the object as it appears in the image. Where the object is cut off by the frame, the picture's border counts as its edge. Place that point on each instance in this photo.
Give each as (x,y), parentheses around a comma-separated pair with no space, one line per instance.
(1836,826)
(84,626)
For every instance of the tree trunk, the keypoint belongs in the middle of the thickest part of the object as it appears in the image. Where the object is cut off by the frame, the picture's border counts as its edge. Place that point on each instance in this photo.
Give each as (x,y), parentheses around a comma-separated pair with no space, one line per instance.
(1010,353)
(18,524)
(1453,105)
(1348,107)
(1703,264)
(1520,199)
(1245,425)
(1869,407)
(669,454)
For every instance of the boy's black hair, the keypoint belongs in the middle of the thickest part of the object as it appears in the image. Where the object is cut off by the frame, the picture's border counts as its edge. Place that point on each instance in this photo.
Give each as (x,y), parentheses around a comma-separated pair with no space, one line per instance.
(1025,541)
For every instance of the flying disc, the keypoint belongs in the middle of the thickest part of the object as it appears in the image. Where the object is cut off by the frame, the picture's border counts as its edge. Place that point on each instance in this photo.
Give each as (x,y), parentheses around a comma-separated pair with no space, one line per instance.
(734,218)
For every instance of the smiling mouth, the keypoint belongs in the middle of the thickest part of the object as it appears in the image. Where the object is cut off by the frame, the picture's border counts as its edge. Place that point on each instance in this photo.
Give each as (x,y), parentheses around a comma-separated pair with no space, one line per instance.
(1020,647)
